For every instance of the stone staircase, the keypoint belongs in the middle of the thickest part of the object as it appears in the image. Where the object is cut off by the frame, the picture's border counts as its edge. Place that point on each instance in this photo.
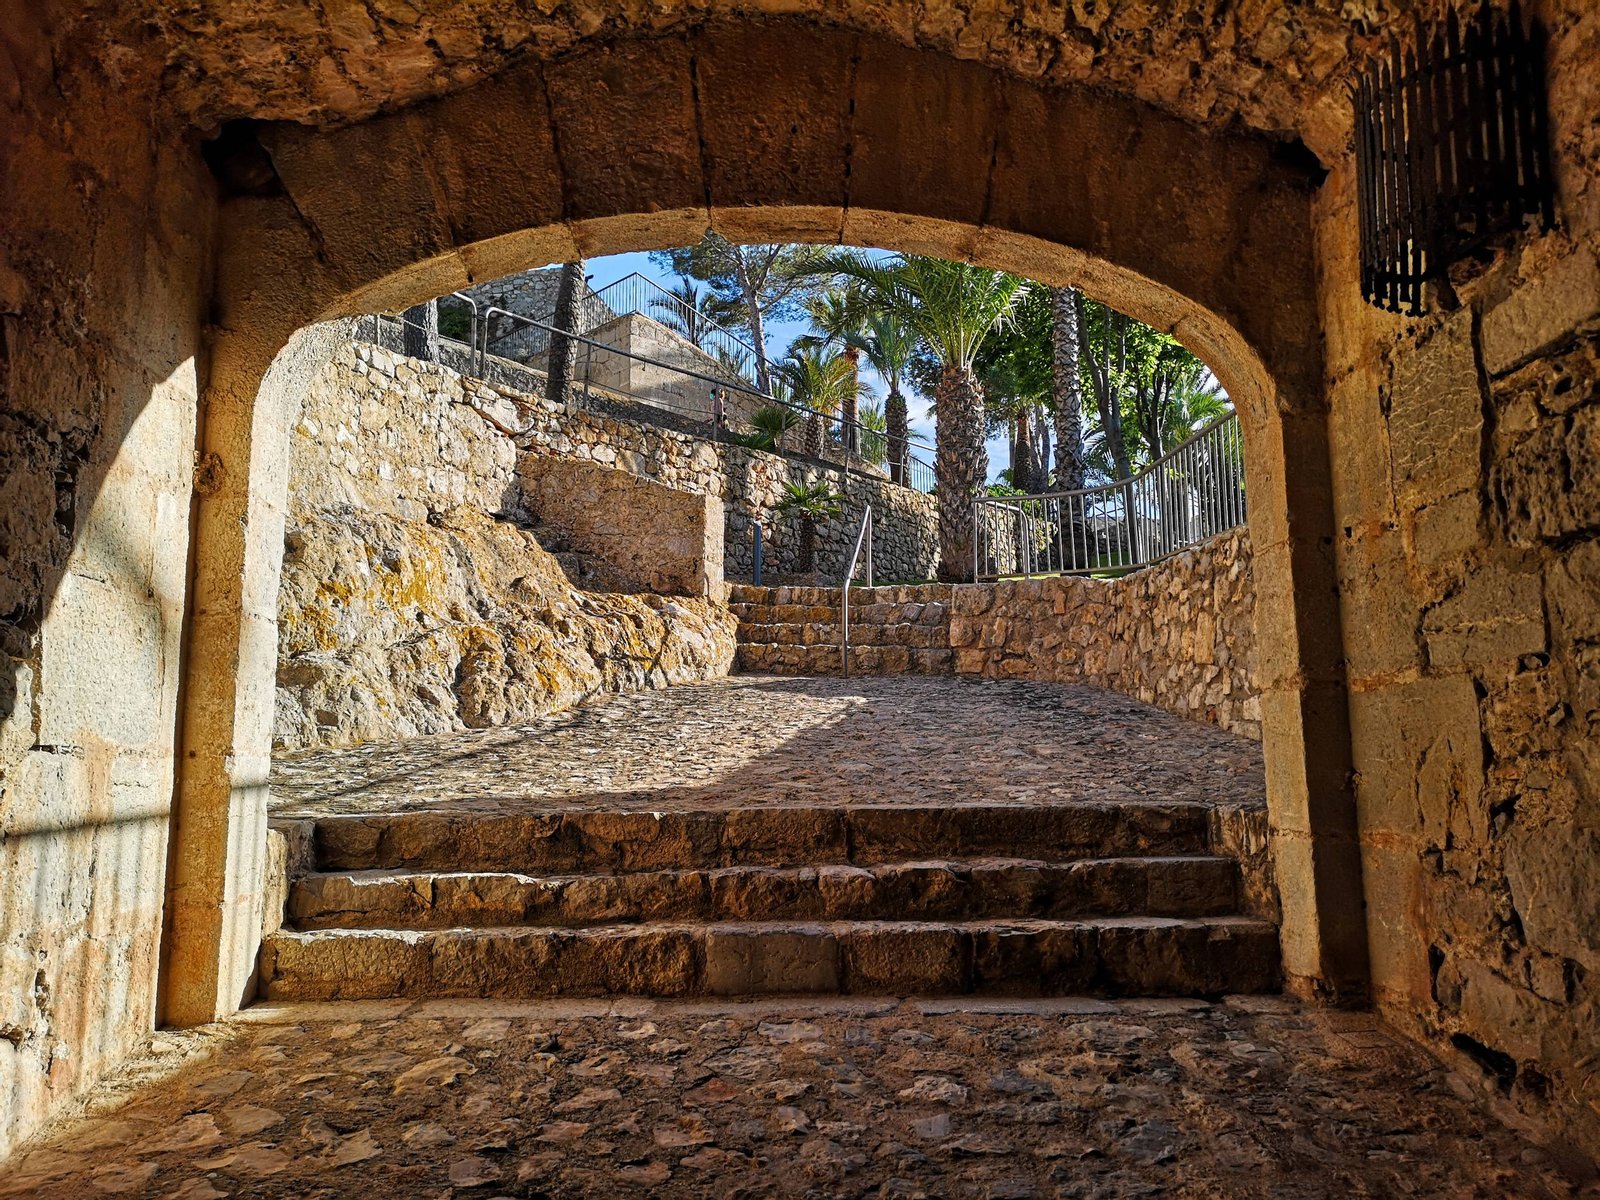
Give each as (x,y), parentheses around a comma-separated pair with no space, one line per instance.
(1092,897)
(796,630)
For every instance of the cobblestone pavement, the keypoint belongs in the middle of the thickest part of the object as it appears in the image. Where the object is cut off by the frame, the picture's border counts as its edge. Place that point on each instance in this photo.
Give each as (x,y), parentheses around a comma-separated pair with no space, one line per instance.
(755,739)
(1252,1097)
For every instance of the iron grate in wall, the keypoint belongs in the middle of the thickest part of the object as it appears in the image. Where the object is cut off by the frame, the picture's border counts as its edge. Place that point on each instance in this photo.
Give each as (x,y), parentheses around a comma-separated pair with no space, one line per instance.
(1451,149)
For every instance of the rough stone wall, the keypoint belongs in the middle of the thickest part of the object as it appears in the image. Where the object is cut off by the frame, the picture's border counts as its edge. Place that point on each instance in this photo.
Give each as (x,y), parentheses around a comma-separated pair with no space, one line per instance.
(531,294)
(416,599)
(750,484)
(1179,635)
(104,244)
(1467,480)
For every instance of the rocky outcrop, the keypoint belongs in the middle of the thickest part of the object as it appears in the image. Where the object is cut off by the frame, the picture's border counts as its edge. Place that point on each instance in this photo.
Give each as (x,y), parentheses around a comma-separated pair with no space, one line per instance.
(418,597)
(392,628)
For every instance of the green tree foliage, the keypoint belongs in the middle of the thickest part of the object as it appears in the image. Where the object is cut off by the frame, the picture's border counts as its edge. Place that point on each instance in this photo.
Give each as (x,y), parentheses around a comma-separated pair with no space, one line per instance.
(768,426)
(820,380)
(810,503)
(952,308)
(767,282)
(694,312)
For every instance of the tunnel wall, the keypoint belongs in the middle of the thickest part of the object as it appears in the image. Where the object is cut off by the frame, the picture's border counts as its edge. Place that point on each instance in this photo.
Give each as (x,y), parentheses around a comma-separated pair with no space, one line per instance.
(1466,474)
(104,250)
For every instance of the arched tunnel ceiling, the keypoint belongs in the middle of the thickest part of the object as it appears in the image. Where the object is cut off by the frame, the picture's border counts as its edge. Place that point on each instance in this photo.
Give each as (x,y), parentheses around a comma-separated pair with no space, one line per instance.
(1265,65)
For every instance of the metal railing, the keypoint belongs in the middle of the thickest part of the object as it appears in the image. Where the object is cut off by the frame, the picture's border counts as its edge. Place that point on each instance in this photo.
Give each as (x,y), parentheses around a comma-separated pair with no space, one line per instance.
(864,534)
(637,294)
(689,414)
(1190,494)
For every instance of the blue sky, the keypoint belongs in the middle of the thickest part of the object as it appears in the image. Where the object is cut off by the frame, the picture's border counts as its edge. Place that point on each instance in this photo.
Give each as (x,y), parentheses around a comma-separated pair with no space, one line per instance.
(779,334)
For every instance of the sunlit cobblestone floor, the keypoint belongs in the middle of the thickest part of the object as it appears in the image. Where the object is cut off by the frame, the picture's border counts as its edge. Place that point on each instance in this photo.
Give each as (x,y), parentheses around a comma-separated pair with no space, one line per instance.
(1252,1097)
(764,740)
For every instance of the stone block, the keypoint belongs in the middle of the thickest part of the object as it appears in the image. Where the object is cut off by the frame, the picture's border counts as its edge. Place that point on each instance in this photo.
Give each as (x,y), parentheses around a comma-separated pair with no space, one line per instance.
(774,106)
(624,116)
(891,959)
(1556,902)
(1381,614)
(1495,616)
(748,961)
(1436,416)
(1542,311)
(662,539)
(1393,888)
(1418,751)
(88,681)
(1443,534)
(904,126)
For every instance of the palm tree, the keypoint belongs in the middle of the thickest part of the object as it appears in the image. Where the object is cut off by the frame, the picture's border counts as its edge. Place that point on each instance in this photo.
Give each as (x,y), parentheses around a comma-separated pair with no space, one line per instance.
(874,434)
(820,381)
(769,425)
(568,316)
(691,312)
(1066,399)
(811,502)
(889,343)
(952,307)
(837,316)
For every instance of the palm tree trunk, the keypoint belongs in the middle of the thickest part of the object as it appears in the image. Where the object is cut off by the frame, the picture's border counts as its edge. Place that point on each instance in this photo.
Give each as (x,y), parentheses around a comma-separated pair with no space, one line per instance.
(961,466)
(808,545)
(814,435)
(850,409)
(898,425)
(1066,392)
(1022,454)
(568,316)
(420,331)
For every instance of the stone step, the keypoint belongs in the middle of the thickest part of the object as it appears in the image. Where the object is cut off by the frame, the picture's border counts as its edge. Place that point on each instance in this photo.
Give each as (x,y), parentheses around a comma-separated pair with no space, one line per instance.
(1116,956)
(770,658)
(916,637)
(1188,886)
(590,841)
(786,614)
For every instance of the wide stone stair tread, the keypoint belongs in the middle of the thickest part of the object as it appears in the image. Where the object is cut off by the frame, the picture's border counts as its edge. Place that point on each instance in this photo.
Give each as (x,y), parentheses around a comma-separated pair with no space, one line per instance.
(935,889)
(1149,956)
(588,841)
(779,659)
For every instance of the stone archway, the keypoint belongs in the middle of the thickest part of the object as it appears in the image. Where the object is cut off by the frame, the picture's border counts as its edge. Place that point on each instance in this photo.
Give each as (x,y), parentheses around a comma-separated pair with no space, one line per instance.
(764,131)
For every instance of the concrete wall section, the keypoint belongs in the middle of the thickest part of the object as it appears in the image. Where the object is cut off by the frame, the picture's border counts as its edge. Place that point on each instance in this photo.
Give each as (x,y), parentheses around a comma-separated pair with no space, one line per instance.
(661,539)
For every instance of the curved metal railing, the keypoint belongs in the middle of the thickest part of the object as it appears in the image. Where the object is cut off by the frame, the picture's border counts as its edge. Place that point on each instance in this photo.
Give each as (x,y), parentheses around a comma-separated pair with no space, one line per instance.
(1190,494)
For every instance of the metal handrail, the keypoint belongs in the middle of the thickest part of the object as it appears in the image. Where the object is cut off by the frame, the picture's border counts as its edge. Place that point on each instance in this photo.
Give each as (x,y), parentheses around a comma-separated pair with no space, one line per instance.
(661,296)
(478,354)
(864,534)
(475,349)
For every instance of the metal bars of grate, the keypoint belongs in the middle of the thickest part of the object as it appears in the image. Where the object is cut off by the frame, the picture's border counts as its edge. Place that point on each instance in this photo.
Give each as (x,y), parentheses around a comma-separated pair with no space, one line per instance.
(1451,150)
(1188,496)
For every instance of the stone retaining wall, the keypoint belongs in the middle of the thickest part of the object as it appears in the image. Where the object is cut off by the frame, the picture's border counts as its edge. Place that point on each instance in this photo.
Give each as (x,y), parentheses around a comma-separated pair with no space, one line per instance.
(749,482)
(1179,634)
